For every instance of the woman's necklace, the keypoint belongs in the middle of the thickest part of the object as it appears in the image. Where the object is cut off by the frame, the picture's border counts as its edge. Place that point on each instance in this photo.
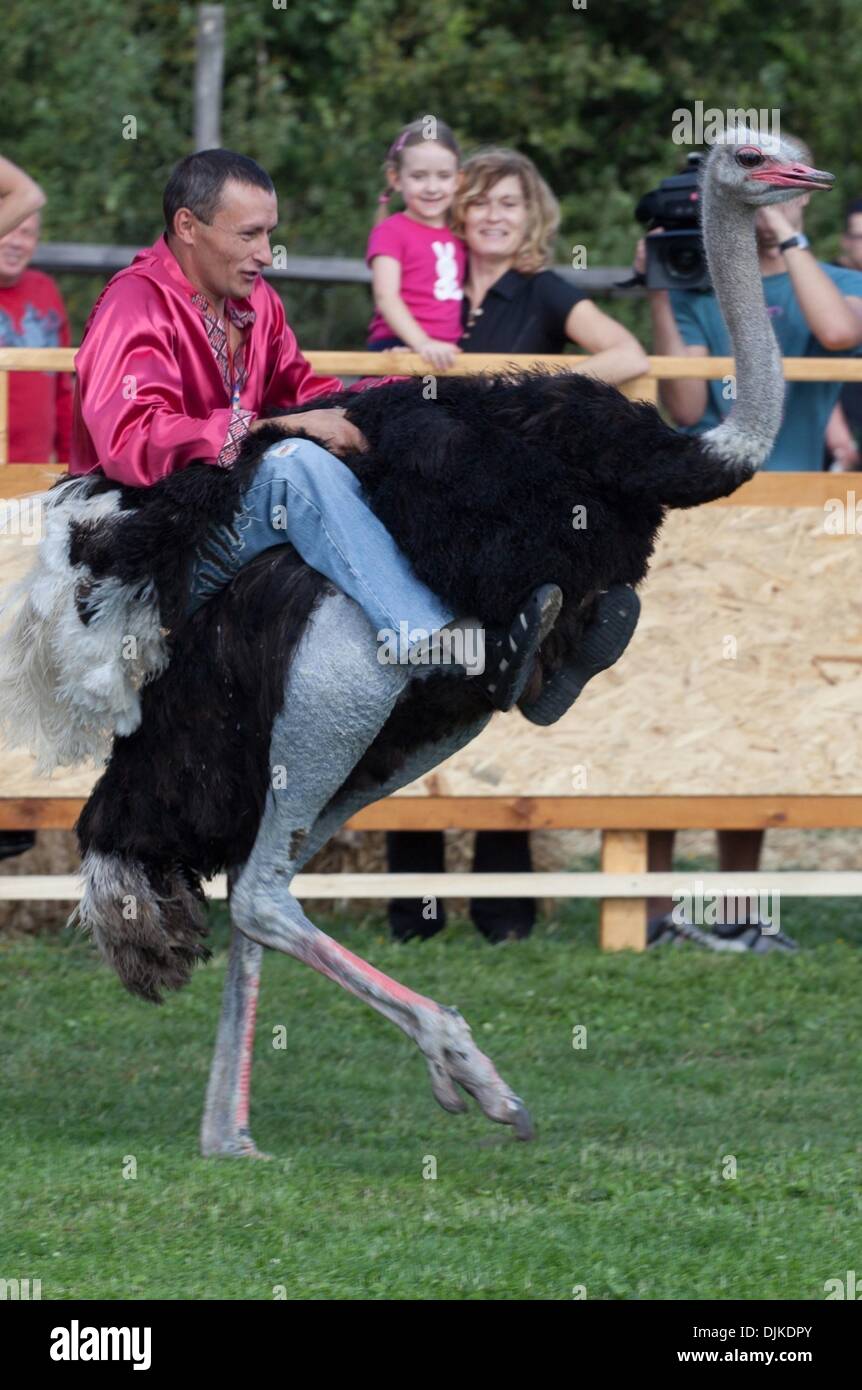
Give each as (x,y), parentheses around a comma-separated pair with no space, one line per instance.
(472,315)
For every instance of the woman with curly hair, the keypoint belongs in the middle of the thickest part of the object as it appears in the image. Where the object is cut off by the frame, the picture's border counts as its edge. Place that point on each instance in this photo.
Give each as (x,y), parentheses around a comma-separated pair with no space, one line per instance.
(513,301)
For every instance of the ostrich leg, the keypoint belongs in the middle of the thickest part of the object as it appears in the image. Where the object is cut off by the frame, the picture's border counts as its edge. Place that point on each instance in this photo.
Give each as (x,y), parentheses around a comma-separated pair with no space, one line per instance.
(225,1125)
(224,1130)
(337,654)
(423,759)
(331,704)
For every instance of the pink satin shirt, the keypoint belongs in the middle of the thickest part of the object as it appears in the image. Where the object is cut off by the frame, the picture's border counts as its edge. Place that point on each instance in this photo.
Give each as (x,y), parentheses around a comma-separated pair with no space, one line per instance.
(154,387)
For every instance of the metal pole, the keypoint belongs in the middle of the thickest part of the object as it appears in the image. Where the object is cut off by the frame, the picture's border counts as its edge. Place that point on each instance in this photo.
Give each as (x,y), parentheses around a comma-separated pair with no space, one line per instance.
(209,72)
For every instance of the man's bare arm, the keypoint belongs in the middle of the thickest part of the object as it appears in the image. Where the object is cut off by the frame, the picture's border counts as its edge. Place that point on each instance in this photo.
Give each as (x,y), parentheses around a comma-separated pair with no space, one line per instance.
(685,401)
(19,196)
(834,318)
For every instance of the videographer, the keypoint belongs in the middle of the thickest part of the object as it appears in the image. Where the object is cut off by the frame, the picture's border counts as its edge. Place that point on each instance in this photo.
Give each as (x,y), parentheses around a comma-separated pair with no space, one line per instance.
(816,310)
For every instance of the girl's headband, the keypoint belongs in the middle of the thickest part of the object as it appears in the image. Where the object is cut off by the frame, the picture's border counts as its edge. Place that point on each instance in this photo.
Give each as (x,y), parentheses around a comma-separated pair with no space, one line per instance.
(398,145)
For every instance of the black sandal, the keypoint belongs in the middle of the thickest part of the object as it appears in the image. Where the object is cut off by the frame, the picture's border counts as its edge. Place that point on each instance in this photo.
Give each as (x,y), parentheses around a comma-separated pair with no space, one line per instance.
(510,656)
(604,641)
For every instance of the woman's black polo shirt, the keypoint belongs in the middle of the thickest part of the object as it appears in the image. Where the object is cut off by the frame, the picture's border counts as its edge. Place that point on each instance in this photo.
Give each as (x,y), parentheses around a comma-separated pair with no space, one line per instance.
(521,313)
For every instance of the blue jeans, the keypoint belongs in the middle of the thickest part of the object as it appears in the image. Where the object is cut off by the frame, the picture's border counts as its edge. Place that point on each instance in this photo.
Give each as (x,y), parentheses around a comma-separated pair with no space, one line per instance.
(304,495)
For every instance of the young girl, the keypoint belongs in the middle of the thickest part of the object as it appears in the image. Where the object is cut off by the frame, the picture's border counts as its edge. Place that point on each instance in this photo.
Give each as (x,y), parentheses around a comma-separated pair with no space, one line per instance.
(417,264)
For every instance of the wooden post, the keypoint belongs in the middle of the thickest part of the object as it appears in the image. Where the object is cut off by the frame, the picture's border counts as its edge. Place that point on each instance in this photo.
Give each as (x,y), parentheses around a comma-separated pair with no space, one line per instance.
(4,418)
(622,924)
(209,72)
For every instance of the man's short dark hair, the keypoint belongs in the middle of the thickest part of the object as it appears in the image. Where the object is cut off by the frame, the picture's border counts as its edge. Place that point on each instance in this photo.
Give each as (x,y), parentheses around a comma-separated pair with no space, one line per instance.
(197,181)
(855,206)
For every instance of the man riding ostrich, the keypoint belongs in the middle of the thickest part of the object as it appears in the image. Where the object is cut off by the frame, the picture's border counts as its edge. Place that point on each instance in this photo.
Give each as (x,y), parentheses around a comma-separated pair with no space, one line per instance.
(216,629)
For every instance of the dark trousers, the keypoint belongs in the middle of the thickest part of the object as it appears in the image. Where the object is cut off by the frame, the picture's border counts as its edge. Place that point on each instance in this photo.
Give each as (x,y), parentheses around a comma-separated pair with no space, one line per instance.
(497,851)
(383,345)
(14,842)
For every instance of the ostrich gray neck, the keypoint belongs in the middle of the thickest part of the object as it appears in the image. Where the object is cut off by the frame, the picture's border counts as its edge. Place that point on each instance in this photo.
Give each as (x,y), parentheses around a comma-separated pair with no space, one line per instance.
(747,435)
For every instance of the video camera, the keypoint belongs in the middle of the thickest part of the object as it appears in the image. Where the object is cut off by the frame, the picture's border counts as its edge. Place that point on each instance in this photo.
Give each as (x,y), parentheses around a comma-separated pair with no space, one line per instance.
(675,256)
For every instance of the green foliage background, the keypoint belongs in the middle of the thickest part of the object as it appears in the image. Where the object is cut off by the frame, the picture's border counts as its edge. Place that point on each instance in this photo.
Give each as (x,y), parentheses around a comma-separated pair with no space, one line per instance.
(318,89)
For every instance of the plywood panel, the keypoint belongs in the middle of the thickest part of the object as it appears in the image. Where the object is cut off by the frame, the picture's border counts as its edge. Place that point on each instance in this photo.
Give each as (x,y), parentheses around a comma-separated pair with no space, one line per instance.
(744,676)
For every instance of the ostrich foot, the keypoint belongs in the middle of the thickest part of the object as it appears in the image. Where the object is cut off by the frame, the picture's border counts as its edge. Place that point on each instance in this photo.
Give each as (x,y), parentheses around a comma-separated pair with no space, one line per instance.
(455,1061)
(231,1145)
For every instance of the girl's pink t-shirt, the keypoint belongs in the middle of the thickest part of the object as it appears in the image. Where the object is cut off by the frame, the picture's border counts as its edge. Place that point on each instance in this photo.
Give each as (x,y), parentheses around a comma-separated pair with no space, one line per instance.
(433,264)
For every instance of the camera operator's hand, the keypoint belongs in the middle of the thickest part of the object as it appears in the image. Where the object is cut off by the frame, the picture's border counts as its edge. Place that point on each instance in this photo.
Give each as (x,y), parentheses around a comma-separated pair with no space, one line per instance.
(639,263)
(773,226)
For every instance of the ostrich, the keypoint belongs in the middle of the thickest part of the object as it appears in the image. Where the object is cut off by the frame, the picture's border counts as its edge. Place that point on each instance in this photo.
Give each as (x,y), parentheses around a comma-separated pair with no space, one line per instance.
(254,728)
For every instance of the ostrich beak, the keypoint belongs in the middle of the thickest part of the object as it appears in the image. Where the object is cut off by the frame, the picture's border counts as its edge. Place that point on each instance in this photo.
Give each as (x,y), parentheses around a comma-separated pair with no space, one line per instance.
(799,176)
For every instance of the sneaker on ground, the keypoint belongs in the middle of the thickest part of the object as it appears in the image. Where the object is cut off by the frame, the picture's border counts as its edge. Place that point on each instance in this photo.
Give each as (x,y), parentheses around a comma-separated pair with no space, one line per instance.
(665,931)
(755,937)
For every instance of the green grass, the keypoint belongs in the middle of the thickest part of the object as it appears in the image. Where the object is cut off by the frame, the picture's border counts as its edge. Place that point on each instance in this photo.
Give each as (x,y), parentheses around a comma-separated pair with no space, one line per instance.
(690,1057)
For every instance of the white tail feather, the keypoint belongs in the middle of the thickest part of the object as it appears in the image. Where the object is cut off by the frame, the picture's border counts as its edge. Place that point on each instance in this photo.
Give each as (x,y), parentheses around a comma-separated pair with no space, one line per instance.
(66,687)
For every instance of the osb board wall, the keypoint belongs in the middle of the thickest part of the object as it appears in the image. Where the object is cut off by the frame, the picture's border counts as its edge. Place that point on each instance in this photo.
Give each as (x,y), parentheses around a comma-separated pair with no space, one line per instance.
(744,677)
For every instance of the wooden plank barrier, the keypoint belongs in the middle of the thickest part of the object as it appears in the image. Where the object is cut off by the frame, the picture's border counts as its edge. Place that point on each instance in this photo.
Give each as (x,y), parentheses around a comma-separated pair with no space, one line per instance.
(679,739)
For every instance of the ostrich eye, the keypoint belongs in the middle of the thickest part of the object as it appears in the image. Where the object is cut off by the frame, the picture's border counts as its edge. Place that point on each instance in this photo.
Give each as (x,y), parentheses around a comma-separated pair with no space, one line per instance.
(749,157)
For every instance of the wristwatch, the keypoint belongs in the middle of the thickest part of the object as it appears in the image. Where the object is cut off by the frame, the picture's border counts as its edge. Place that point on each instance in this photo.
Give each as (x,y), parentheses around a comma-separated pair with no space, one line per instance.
(799,239)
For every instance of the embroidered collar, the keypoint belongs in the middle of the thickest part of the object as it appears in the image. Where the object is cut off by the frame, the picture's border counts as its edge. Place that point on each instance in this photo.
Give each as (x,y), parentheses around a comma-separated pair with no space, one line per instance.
(243,319)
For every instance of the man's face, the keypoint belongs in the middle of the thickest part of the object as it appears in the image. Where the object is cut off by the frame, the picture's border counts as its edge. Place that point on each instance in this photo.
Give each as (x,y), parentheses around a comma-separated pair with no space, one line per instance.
(226,256)
(851,241)
(16,250)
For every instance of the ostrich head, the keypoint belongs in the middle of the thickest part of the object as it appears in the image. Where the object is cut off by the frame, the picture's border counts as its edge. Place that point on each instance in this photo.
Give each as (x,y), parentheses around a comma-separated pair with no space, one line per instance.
(757,169)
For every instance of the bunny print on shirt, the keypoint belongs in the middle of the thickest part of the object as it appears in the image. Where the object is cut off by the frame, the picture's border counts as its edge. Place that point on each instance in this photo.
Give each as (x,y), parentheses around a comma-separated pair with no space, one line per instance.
(446,285)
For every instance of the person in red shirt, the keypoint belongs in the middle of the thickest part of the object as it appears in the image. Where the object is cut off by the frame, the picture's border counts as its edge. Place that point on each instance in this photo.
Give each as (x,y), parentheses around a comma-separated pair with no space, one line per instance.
(20,197)
(32,314)
(184,355)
